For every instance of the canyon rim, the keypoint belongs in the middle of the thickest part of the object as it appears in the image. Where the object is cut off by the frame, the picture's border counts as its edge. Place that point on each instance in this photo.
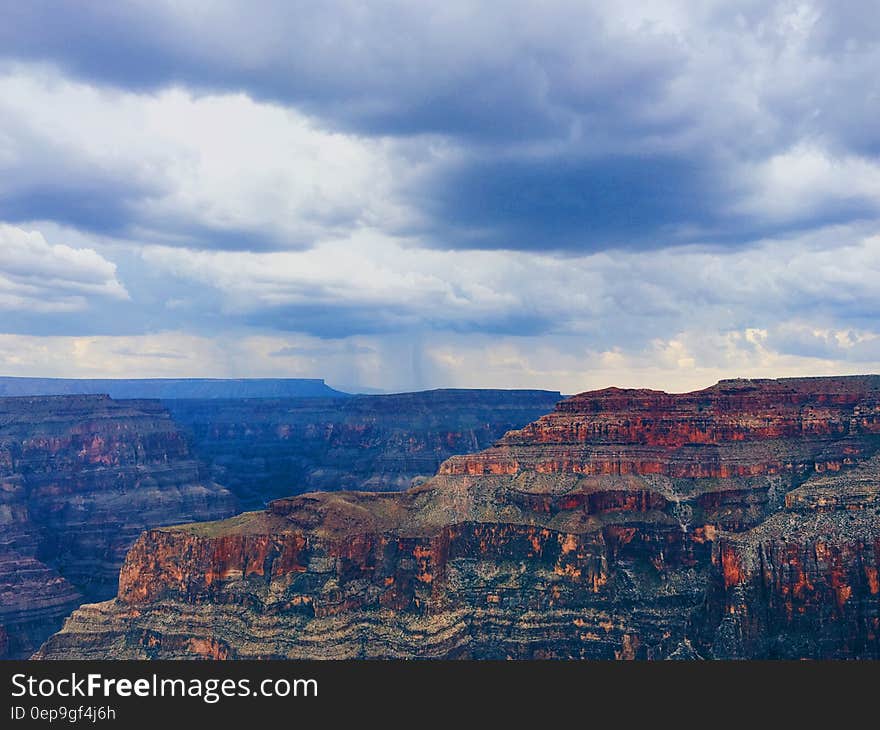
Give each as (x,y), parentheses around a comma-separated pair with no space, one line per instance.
(739,521)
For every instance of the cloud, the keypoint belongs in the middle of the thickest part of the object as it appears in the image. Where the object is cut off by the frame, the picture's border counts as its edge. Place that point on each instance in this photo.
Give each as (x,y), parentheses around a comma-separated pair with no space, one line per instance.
(392,67)
(154,355)
(176,353)
(37,276)
(679,364)
(806,183)
(401,196)
(687,361)
(582,127)
(576,204)
(369,285)
(216,171)
(467,69)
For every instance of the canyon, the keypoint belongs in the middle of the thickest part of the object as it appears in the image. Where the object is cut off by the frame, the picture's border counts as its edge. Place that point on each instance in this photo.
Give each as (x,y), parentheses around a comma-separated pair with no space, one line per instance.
(263,449)
(739,521)
(81,476)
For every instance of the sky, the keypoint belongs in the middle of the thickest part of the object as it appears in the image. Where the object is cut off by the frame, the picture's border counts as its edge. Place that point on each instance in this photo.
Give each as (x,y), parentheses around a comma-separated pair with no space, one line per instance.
(411,195)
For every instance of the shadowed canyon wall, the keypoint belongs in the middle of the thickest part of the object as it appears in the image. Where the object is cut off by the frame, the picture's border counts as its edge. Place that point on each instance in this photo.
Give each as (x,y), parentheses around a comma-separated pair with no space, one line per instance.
(80,478)
(738,521)
(263,449)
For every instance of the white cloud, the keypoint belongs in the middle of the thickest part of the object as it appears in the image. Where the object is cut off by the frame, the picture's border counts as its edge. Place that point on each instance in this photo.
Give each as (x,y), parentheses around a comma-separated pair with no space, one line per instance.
(374,272)
(679,364)
(408,318)
(222,170)
(687,361)
(808,180)
(346,362)
(38,277)
(609,297)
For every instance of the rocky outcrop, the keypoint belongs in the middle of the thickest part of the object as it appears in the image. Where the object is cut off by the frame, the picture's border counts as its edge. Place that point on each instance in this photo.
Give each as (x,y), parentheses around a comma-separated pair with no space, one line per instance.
(80,478)
(263,449)
(804,582)
(734,429)
(737,521)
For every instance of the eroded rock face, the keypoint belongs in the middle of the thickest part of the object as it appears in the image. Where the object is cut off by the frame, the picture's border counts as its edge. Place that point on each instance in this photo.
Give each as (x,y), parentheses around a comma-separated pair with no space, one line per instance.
(263,449)
(734,429)
(80,478)
(805,581)
(736,521)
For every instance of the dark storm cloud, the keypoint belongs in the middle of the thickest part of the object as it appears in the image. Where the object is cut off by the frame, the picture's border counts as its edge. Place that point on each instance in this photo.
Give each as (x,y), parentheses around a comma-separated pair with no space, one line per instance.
(572,129)
(392,67)
(576,204)
(122,43)
(347,319)
(91,203)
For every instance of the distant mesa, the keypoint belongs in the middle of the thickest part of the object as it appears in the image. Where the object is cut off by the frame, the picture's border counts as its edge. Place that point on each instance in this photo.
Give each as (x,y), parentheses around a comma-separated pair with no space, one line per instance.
(169,388)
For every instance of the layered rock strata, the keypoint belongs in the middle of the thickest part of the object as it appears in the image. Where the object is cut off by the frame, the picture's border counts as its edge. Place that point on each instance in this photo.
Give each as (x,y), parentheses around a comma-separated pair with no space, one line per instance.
(80,478)
(263,449)
(737,521)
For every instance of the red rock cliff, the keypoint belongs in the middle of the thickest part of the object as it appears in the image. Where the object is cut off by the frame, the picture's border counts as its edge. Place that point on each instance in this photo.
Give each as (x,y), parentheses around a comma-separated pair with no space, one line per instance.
(625,524)
(738,428)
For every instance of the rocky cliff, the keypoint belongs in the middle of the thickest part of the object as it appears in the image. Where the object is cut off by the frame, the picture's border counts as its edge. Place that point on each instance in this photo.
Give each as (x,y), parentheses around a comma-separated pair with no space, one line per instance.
(262,449)
(80,478)
(737,521)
